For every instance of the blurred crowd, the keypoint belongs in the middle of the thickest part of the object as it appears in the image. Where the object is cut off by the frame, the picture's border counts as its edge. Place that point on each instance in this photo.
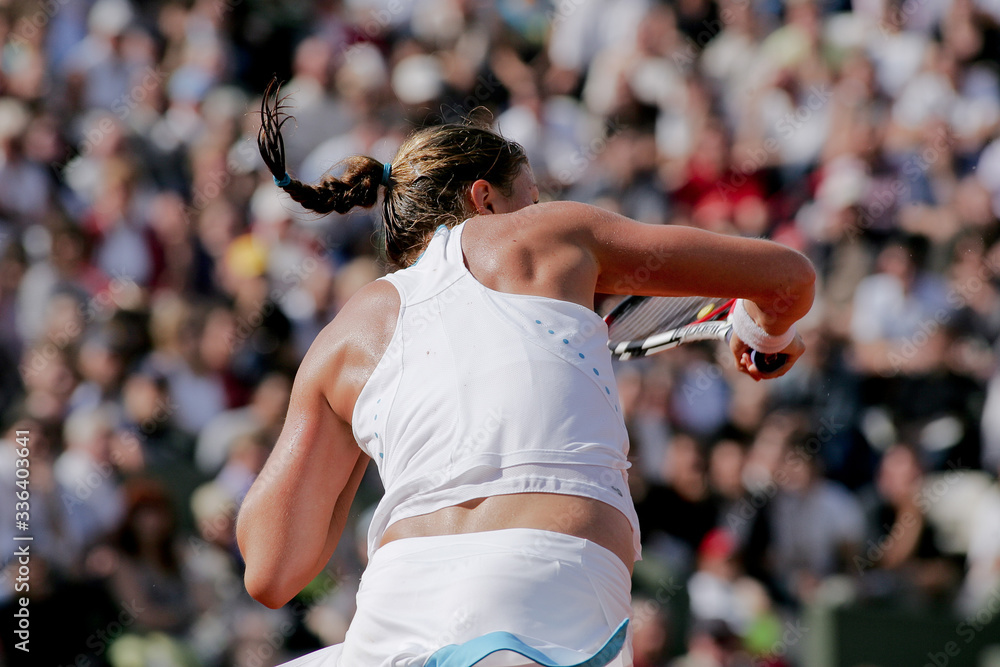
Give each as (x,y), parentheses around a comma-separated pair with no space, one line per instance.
(157,292)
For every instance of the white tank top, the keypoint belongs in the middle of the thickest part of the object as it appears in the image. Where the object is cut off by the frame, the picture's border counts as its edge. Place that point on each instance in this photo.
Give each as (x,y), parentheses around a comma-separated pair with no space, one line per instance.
(483,393)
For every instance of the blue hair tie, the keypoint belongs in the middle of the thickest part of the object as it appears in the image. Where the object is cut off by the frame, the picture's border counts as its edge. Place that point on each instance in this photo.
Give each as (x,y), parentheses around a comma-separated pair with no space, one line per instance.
(386,170)
(284,181)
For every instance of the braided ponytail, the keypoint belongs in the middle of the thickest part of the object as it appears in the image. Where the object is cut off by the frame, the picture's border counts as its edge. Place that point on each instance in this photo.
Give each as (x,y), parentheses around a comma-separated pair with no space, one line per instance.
(358,186)
(429,183)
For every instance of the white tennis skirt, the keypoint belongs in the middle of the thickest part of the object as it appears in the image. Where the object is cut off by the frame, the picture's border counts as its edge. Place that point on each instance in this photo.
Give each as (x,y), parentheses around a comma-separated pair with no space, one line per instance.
(511,598)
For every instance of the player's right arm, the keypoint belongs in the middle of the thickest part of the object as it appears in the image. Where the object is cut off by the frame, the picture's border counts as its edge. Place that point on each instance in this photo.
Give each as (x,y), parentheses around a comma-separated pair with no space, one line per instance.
(682,261)
(669,260)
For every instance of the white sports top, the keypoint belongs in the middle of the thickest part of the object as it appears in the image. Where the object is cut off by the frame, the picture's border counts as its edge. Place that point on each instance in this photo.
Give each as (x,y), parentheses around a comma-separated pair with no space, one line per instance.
(483,393)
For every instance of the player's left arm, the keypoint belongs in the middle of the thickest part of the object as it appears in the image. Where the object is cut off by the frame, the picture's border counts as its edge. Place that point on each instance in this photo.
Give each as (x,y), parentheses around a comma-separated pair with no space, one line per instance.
(288,523)
(296,510)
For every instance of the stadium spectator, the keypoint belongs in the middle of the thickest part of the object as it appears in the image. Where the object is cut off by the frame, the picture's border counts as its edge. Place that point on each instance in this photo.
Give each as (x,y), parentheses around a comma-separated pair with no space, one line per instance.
(818,526)
(902,545)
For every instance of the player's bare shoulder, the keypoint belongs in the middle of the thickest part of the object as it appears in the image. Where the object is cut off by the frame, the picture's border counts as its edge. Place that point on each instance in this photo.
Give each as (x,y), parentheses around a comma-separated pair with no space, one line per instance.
(346,351)
(559,220)
(539,250)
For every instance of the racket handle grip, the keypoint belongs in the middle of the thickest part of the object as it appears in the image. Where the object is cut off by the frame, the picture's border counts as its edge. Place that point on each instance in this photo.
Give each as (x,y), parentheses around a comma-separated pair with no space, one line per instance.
(768,363)
(765,363)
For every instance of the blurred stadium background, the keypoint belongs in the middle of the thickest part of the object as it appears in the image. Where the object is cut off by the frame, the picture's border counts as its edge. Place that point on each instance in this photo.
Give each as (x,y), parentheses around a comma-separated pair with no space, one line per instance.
(157,293)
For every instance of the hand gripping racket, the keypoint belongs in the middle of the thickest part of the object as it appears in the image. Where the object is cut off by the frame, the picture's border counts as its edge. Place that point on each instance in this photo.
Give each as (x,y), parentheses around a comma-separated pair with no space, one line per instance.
(643,325)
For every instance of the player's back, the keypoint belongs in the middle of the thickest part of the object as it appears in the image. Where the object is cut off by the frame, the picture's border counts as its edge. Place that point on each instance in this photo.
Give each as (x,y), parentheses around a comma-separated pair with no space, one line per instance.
(483,393)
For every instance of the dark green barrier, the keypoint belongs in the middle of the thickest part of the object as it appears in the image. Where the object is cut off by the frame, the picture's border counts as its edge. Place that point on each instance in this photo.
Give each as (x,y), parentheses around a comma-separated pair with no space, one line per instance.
(869,637)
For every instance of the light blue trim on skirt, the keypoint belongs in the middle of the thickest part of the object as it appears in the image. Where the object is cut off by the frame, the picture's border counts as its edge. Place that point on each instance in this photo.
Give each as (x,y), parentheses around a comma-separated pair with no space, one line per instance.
(469,653)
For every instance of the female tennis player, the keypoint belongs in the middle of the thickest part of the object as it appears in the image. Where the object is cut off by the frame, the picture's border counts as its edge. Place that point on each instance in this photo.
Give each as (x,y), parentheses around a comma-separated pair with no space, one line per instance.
(478,379)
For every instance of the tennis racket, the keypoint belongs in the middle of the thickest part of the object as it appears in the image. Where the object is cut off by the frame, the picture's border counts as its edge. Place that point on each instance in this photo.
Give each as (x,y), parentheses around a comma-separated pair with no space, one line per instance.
(643,325)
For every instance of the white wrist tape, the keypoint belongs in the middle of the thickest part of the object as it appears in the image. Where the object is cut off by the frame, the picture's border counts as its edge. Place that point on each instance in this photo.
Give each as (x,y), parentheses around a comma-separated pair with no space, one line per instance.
(753,335)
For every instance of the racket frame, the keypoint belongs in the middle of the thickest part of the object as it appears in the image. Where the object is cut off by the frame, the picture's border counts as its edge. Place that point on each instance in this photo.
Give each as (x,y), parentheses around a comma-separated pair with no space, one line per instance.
(707,327)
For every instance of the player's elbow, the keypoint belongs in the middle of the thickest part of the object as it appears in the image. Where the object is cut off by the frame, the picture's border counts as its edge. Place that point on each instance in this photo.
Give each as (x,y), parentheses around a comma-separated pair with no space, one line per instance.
(800,276)
(803,272)
(268,597)
(788,294)
(793,269)
(266,588)
(266,576)
(273,576)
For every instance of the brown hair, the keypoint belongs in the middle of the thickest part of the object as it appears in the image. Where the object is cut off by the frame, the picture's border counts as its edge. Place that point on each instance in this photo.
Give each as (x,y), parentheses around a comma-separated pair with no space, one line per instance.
(430,177)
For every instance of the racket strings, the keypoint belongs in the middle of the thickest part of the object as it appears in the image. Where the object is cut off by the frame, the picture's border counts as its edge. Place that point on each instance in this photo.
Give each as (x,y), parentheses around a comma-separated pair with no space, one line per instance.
(657,314)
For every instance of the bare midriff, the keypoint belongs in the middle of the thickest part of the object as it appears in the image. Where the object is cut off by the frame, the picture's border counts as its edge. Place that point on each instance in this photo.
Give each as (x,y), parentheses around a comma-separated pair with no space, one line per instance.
(587,518)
